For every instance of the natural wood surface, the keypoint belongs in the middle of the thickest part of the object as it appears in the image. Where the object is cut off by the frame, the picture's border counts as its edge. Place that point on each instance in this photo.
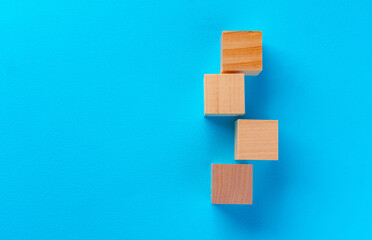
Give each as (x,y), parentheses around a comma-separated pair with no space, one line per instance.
(224,94)
(241,52)
(256,139)
(232,183)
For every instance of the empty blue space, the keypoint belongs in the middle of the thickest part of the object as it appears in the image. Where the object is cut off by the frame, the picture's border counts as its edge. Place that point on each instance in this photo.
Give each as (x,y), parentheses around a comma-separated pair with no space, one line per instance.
(102,133)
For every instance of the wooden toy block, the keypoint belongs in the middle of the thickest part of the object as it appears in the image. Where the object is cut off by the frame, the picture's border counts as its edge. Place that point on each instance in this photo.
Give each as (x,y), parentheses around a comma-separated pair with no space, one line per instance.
(224,94)
(241,52)
(232,183)
(256,139)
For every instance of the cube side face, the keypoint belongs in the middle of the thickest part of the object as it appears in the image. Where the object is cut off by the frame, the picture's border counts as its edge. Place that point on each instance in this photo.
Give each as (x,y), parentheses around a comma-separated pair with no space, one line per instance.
(256,140)
(210,94)
(224,95)
(236,139)
(232,183)
(241,52)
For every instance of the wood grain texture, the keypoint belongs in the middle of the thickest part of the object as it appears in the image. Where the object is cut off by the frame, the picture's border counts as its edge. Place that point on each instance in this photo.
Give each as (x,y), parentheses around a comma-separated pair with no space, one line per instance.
(232,183)
(256,139)
(241,52)
(224,94)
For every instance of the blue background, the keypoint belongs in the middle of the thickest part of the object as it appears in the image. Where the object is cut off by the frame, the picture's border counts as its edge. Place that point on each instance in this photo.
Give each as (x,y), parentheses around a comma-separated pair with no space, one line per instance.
(102,134)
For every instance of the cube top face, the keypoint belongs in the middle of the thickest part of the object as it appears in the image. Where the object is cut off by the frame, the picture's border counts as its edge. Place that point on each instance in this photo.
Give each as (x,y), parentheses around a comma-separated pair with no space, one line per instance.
(241,52)
(224,94)
(232,183)
(256,139)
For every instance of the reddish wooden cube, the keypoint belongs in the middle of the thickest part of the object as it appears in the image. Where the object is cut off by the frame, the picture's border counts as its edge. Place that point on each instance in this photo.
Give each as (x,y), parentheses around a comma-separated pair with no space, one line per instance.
(232,183)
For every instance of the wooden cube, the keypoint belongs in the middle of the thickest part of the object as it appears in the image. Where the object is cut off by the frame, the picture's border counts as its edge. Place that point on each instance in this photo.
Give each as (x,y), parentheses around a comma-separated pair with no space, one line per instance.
(256,139)
(241,52)
(232,183)
(224,94)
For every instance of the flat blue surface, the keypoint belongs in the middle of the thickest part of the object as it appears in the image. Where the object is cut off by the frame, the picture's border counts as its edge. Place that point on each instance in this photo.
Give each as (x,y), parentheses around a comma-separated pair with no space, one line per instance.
(102,134)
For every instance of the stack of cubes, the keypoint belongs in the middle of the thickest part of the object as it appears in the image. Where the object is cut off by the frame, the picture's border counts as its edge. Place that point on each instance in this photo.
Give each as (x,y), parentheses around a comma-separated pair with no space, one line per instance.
(224,95)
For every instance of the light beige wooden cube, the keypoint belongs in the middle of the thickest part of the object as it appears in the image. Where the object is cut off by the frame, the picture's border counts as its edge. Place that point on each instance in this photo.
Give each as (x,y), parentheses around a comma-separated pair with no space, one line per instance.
(224,94)
(241,52)
(256,139)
